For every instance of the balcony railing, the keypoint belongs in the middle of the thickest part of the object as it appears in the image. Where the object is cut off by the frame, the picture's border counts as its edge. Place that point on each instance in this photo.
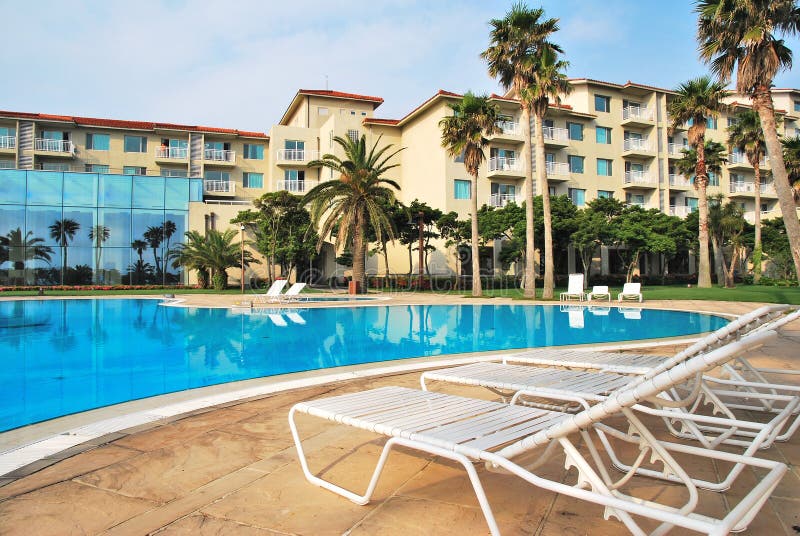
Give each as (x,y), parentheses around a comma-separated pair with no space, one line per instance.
(680,210)
(220,187)
(8,142)
(680,181)
(555,134)
(297,155)
(501,163)
(219,155)
(53,146)
(557,169)
(501,200)
(636,144)
(637,112)
(509,127)
(297,187)
(177,153)
(676,149)
(638,177)
(741,158)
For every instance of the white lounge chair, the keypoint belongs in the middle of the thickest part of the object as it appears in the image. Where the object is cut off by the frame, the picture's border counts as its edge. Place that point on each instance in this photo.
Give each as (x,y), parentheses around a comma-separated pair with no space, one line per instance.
(467,430)
(575,314)
(631,313)
(271,295)
(599,292)
(631,291)
(574,288)
(599,311)
(293,293)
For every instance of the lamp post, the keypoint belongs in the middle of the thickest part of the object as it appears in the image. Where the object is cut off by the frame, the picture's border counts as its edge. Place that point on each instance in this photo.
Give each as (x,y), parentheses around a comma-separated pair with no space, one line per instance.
(241,228)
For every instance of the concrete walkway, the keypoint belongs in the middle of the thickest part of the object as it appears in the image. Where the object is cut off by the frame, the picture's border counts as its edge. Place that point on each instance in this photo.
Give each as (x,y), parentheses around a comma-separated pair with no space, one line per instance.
(233,470)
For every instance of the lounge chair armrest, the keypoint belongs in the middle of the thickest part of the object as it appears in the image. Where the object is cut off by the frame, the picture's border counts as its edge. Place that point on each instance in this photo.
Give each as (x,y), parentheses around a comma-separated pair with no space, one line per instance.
(552,395)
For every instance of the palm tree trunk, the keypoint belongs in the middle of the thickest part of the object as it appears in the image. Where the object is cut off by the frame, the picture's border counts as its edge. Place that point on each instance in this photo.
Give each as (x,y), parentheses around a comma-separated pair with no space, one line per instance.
(530,281)
(359,252)
(762,102)
(729,268)
(64,263)
(476,264)
(719,270)
(701,181)
(541,179)
(757,223)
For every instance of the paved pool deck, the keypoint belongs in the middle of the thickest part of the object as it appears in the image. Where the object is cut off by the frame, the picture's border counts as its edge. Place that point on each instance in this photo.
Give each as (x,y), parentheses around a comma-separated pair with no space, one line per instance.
(232,469)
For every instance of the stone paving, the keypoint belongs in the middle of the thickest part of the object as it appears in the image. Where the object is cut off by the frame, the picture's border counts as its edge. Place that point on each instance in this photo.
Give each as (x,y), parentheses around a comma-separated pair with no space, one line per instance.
(234,470)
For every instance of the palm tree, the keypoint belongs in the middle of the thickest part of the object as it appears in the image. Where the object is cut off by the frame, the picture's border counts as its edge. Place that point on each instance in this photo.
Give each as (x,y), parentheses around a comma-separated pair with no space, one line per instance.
(791,156)
(19,249)
(462,133)
(354,200)
(694,102)
(139,267)
(743,35)
(98,234)
(213,253)
(714,154)
(62,231)
(154,235)
(168,229)
(516,54)
(194,255)
(746,135)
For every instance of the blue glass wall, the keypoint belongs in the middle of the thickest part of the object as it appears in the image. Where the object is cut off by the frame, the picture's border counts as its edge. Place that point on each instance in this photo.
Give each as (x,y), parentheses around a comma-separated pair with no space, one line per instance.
(88,228)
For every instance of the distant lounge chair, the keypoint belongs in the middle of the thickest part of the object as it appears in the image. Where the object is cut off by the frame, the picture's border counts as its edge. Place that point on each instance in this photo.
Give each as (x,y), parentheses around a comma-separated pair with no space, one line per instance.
(631,291)
(574,288)
(599,292)
(293,292)
(271,296)
(598,310)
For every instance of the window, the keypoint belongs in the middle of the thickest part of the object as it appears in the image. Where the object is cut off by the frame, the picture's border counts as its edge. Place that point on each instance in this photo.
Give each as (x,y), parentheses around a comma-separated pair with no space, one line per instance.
(713,179)
(53,166)
(7,164)
(602,103)
(353,135)
(7,131)
(575,164)
(604,167)
(552,191)
(134,170)
(732,121)
(96,168)
(605,194)
(575,131)
(214,175)
(577,196)
(166,172)
(55,135)
(764,207)
(322,111)
(330,139)
(797,106)
(459,159)
(603,135)
(363,113)
(294,175)
(634,199)
(252,180)
(711,123)
(691,202)
(253,151)
(135,144)
(97,142)
(462,189)
(352,112)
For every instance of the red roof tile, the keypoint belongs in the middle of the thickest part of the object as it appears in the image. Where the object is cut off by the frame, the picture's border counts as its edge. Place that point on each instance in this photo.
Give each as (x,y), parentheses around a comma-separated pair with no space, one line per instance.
(379,121)
(339,94)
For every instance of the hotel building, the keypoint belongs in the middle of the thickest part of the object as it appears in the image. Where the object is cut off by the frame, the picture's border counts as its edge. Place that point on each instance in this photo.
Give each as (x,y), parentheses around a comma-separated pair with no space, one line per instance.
(602,140)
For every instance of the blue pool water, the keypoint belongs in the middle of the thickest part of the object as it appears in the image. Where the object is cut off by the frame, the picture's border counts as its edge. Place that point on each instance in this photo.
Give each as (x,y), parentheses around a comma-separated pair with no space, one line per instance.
(64,356)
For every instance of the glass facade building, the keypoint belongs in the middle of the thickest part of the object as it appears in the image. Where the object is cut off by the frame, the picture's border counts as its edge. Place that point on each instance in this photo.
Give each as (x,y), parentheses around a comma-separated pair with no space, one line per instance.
(92,228)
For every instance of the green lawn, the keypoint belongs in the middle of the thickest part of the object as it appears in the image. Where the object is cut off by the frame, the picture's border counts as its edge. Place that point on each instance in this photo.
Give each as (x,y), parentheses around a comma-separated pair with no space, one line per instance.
(742,293)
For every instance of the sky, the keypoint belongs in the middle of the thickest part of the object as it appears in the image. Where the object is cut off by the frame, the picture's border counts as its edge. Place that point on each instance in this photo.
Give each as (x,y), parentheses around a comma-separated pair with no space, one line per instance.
(237,64)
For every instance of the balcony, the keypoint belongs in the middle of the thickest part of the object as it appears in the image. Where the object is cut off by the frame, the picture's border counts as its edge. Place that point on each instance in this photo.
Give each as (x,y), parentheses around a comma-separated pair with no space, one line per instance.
(557,171)
(500,166)
(225,188)
(637,116)
(747,189)
(8,143)
(219,156)
(555,137)
(172,153)
(295,157)
(508,131)
(737,160)
(680,210)
(637,147)
(679,182)
(57,147)
(296,187)
(639,179)
(501,200)
(675,150)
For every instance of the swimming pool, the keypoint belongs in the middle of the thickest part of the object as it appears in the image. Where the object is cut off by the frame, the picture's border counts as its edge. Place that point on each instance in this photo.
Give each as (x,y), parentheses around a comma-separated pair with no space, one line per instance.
(65,356)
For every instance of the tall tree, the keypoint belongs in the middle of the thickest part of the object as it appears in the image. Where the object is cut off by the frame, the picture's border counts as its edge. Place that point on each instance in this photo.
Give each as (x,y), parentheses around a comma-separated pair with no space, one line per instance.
(98,234)
(727,223)
(744,36)
(62,231)
(747,136)
(463,134)
(18,249)
(714,154)
(521,57)
(356,199)
(694,103)
(154,235)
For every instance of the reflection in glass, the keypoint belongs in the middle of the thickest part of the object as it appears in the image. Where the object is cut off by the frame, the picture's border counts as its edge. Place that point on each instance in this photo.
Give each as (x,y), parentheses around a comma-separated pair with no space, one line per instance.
(148,192)
(12,186)
(118,222)
(115,191)
(176,194)
(45,188)
(80,189)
